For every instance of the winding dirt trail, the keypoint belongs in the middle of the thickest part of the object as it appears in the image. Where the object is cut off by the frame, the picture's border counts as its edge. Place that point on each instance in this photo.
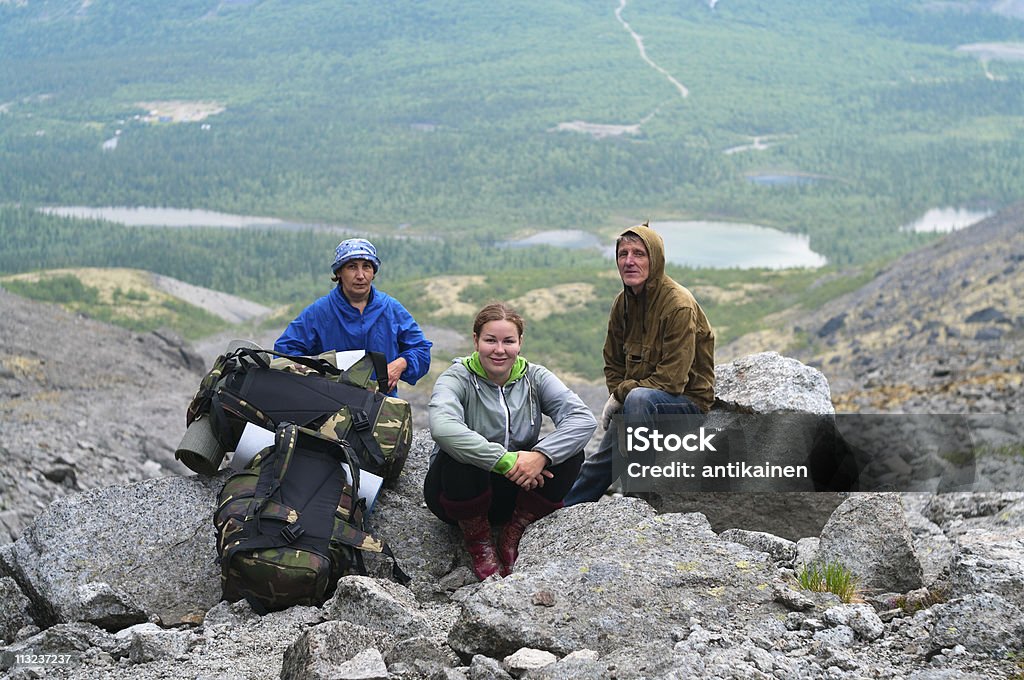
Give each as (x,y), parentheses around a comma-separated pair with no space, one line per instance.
(639,40)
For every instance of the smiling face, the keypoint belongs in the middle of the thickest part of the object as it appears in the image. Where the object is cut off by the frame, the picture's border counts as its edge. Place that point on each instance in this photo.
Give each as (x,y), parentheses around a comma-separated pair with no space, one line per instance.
(498,343)
(633,261)
(355,277)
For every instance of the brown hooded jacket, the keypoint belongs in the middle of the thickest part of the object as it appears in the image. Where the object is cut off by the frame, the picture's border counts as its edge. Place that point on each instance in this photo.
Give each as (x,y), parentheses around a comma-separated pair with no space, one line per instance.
(660,338)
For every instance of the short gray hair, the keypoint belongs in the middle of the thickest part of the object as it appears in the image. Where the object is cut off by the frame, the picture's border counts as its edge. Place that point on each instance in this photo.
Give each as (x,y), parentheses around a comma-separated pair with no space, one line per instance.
(629,236)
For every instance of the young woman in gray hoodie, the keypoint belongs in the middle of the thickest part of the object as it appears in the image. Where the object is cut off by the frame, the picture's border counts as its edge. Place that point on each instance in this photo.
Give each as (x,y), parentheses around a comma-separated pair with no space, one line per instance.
(490,465)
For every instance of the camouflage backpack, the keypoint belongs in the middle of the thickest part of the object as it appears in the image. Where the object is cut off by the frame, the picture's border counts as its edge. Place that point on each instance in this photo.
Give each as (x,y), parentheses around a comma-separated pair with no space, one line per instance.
(245,386)
(290,525)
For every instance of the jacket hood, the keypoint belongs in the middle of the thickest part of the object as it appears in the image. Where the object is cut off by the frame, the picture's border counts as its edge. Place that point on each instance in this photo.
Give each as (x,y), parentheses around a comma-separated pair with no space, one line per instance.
(655,252)
(473,364)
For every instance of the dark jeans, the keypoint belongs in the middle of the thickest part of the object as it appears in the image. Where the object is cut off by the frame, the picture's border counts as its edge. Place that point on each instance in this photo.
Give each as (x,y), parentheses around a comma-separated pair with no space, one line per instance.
(596,474)
(462,482)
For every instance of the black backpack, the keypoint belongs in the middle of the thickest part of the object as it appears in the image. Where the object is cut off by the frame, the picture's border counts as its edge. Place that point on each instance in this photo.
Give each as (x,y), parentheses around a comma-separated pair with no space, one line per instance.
(245,386)
(291,524)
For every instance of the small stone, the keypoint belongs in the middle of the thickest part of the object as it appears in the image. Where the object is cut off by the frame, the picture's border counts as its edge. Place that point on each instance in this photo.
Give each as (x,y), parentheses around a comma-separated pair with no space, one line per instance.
(366,665)
(544,598)
(527,659)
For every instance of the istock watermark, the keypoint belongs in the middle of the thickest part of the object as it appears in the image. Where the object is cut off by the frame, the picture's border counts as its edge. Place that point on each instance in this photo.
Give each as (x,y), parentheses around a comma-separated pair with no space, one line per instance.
(643,439)
(835,453)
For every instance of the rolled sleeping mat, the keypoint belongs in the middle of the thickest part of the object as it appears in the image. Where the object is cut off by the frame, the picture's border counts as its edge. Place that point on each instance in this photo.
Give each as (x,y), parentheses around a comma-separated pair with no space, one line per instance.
(239,343)
(199,449)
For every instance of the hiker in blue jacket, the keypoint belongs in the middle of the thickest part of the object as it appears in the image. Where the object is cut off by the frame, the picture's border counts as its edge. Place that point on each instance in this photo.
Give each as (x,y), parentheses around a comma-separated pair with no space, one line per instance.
(355,315)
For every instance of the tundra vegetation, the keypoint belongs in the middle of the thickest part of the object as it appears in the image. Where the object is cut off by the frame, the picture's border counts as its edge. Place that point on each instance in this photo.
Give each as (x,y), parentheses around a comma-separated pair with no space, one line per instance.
(450,128)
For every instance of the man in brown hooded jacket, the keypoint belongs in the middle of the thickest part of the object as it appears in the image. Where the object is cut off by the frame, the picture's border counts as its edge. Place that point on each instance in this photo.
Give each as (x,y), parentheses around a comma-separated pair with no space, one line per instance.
(659,354)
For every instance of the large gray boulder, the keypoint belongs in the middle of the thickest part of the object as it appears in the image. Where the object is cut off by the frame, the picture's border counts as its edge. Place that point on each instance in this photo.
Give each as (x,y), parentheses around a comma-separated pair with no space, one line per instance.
(869,535)
(335,650)
(990,561)
(770,388)
(983,624)
(612,575)
(379,605)
(771,383)
(118,555)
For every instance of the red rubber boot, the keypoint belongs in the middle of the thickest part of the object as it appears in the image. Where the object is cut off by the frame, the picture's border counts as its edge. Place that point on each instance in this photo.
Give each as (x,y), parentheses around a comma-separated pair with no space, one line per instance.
(471,516)
(529,508)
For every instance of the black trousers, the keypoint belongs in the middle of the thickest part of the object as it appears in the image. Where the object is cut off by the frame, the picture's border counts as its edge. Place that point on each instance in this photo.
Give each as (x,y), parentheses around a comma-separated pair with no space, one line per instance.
(463,482)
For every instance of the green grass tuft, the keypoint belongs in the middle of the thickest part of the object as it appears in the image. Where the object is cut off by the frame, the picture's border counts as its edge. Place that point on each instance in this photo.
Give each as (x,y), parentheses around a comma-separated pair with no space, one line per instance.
(831,577)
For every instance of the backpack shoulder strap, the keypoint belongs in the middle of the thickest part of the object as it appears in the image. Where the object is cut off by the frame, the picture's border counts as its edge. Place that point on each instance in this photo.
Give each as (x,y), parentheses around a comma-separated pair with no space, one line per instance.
(380,369)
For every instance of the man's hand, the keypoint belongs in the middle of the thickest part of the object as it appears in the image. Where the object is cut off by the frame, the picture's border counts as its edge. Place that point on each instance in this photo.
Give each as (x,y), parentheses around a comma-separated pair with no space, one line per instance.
(395,369)
(528,471)
(611,407)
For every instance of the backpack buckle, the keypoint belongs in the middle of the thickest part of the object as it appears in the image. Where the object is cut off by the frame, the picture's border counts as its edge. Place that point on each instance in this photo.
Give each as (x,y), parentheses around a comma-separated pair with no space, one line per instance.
(292,532)
(360,421)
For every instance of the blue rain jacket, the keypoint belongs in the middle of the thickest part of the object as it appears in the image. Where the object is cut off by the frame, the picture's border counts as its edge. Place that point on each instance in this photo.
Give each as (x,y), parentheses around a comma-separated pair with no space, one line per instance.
(332,323)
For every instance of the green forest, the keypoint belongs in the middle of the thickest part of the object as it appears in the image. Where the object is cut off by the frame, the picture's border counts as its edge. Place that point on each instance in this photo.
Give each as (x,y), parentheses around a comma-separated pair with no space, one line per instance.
(290,269)
(444,128)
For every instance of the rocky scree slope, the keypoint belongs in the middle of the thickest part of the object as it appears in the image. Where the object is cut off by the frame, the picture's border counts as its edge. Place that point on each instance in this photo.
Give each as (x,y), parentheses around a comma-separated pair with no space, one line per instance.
(940,330)
(84,404)
(124,579)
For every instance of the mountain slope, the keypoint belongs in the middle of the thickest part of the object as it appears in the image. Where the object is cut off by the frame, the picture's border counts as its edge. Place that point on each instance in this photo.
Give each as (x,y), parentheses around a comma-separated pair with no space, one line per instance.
(940,330)
(83,404)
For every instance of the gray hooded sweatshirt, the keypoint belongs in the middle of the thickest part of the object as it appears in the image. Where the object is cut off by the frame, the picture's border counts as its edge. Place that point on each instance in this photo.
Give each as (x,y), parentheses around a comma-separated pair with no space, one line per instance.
(477,422)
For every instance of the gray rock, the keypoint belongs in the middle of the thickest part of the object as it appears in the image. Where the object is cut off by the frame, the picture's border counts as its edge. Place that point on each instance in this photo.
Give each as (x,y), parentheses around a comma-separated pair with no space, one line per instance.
(422,657)
(793,599)
(807,551)
(771,383)
(990,562)
(989,333)
(869,535)
(859,617)
(318,652)
(931,545)
(366,665)
(117,391)
(983,624)
(107,607)
(945,509)
(839,637)
(778,549)
(118,554)
(527,659)
(485,668)
(765,384)
(626,587)
(572,668)
(988,315)
(377,605)
(72,639)
(14,610)
(227,615)
(150,642)
(946,674)
(832,325)
(791,516)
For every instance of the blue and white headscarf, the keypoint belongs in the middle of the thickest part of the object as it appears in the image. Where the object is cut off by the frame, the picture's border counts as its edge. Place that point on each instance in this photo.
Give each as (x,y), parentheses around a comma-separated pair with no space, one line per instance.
(355,249)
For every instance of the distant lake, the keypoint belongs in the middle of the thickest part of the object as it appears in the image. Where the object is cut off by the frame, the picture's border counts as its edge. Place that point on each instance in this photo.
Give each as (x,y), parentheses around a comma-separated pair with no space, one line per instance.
(163,217)
(782,179)
(182,217)
(574,239)
(946,220)
(717,245)
(693,244)
(721,245)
